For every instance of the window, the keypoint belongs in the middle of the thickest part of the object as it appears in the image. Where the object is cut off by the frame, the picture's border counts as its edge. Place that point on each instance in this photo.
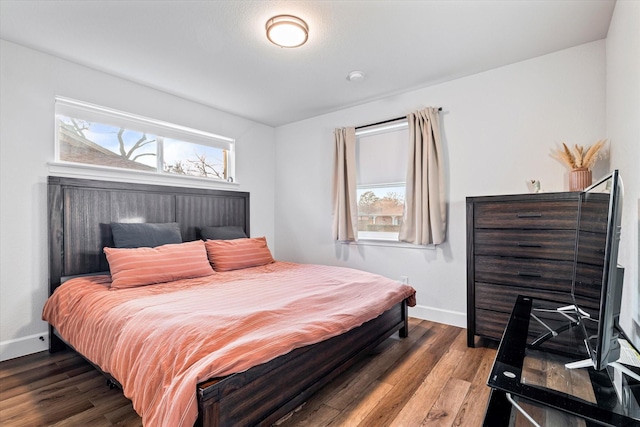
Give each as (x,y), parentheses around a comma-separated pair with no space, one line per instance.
(101,136)
(381,164)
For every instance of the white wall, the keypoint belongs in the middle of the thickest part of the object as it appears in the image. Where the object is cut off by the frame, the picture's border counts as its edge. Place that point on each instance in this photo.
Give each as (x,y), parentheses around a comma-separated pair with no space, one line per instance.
(623,128)
(499,129)
(29,80)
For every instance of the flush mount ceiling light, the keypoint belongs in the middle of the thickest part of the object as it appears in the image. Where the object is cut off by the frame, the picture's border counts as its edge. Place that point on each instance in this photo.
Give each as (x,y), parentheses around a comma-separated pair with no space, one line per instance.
(287,31)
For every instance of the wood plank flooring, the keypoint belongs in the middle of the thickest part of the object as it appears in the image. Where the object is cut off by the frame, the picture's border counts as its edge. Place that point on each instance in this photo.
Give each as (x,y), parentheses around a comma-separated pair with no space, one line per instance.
(430,378)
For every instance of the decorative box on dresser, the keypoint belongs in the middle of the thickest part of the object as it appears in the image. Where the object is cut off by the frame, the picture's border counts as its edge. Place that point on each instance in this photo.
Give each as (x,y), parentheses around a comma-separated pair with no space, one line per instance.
(517,244)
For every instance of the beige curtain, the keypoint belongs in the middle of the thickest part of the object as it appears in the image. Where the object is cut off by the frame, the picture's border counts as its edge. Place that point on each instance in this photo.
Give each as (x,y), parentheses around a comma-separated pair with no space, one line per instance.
(425,213)
(345,209)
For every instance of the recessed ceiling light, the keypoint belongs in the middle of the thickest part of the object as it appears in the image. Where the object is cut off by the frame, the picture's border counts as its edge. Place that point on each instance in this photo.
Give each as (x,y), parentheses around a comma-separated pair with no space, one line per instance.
(287,31)
(355,76)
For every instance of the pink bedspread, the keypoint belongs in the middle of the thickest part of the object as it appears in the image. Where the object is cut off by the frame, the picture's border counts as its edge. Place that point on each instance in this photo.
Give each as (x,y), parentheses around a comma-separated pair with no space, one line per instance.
(160,341)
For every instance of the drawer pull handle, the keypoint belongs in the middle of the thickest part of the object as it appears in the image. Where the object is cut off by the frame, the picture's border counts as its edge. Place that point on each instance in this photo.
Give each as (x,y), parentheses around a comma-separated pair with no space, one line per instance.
(529,215)
(529,274)
(528,245)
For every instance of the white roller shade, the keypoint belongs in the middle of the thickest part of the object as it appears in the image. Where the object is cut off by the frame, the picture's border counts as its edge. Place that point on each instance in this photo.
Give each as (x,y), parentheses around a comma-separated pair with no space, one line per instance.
(382,156)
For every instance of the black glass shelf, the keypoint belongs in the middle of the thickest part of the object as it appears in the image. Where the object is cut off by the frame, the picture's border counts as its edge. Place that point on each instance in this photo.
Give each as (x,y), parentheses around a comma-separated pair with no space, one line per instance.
(530,369)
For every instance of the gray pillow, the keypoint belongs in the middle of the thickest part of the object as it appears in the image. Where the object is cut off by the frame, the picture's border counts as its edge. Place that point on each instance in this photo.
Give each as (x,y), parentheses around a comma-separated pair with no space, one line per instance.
(99,273)
(137,235)
(227,232)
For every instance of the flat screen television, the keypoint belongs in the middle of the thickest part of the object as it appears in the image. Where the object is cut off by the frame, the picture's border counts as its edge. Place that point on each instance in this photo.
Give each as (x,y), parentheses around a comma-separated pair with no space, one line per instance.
(597,277)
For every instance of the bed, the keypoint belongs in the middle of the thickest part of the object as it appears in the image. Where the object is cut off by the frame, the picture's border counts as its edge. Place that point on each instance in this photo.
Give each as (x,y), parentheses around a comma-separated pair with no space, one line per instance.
(80,214)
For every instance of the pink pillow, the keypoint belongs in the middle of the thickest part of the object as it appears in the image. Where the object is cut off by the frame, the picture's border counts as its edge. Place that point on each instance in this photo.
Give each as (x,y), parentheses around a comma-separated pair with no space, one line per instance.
(235,254)
(146,266)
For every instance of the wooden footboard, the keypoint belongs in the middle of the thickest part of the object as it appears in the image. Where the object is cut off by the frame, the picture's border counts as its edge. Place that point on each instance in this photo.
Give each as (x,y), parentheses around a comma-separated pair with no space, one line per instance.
(265,393)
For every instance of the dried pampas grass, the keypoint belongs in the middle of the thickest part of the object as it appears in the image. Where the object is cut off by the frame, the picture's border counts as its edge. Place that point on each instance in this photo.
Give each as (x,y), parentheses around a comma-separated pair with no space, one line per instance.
(579,157)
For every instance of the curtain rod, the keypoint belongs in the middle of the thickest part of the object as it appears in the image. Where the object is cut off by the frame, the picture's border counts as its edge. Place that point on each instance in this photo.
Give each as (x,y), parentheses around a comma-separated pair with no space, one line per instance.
(386,121)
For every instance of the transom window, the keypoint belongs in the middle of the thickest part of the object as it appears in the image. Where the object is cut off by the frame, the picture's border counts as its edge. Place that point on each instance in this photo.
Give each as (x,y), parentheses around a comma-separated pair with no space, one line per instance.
(381,165)
(101,136)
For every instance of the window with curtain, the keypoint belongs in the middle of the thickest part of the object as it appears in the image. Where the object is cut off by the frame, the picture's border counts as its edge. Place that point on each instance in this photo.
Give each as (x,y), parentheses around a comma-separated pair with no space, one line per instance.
(100,136)
(381,172)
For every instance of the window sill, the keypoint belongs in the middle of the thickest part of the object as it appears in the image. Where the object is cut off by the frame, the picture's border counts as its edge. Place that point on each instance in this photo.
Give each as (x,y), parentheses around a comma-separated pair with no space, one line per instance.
(389,244)
(78,170)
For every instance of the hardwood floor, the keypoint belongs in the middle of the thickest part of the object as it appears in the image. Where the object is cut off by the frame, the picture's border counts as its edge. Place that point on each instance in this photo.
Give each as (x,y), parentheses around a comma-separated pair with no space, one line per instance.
(430,378)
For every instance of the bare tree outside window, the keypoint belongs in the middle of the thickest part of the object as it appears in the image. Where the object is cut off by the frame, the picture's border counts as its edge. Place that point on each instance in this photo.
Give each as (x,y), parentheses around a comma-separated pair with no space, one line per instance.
(82,141)
(131,152)
(186,158)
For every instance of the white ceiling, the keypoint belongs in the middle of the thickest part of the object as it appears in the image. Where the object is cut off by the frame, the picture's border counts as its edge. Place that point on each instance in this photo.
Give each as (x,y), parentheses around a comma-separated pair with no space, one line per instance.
(216,52)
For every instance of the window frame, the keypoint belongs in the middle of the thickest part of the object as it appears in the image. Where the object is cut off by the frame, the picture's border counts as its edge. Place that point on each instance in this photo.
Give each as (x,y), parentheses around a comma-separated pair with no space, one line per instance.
(370,237)
(163,130)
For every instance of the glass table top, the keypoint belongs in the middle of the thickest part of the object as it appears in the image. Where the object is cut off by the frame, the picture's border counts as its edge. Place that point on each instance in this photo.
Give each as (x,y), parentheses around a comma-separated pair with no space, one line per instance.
(530,366)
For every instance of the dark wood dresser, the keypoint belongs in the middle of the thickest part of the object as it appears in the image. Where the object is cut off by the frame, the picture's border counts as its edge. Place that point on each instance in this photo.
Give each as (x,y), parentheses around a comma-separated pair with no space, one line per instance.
(517,244)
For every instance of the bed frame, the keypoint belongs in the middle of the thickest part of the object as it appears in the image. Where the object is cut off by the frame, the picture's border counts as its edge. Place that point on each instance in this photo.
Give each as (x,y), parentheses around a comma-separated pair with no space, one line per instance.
(80,212)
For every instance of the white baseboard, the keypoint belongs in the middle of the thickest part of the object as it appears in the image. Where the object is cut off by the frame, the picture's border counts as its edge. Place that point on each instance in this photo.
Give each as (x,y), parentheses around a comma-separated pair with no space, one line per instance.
(11,349)
(439,315)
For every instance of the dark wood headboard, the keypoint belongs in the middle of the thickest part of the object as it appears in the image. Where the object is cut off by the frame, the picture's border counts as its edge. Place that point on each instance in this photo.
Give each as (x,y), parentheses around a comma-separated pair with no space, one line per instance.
(81,211)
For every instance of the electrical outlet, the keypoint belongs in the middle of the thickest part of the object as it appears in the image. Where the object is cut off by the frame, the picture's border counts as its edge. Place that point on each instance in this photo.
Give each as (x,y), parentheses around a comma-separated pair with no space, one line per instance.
(404,280)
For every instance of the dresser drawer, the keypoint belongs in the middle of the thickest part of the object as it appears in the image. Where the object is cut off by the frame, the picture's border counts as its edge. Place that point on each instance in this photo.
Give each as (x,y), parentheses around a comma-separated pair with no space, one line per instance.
(491,324)
(550,215)
(555,276)
(593,217)
(545,244)
(541,275)
(592,248)
(502,298)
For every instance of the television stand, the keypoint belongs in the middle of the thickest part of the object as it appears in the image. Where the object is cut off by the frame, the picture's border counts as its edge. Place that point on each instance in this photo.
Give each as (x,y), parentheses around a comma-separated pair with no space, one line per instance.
(537,380)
